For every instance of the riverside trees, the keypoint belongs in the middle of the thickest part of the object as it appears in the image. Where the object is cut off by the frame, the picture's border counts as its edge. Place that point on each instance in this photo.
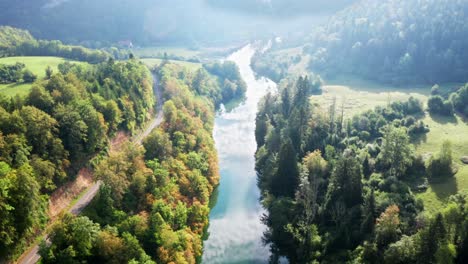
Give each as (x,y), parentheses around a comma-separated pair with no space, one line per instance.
(154,202)
(353,199)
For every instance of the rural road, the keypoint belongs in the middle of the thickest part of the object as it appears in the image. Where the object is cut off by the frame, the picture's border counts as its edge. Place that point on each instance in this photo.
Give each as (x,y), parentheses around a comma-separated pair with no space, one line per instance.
(159,113)
(32,256)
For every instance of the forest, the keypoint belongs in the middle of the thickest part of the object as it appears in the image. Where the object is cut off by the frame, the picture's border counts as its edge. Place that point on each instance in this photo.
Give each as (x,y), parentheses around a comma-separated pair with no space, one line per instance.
(64,121)
(391,42)
(154,203)
(342,190)
(387,42)
(250,131)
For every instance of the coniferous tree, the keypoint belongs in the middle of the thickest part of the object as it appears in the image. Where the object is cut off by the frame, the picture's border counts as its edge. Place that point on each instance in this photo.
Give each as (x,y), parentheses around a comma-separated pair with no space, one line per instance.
(285,182)
(431,239)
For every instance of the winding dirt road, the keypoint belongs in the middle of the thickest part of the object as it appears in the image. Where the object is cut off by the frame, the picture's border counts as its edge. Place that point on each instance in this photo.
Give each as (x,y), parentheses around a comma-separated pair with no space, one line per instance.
(32,255)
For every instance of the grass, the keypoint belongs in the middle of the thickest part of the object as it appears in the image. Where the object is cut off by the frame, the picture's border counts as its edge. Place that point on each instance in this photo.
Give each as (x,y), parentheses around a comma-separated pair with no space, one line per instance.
(442,129)
(359,96)
(190,65)
(36,64)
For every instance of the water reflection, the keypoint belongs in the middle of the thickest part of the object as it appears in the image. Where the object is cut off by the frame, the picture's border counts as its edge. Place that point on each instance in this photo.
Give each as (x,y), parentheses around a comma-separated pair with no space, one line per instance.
(235,227)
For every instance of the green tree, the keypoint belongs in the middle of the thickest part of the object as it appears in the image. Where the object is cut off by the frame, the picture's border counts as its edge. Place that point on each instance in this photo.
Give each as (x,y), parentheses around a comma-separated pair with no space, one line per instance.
(157,145)
(345,184)
(29,76)
(112,115)
(396,151)
(369,213)
(313,171)
(441,166)
(41,130)
(45,172)
(437,105)
(261,128)
(285,182)
(401,252)
(49,72)
(73,130)
(285,102)
(72,241)
(431,239)
(40,98)
(28,204)
(7,227)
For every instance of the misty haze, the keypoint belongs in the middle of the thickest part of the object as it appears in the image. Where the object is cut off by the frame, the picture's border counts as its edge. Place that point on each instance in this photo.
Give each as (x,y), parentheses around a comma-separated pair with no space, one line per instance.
(232,132)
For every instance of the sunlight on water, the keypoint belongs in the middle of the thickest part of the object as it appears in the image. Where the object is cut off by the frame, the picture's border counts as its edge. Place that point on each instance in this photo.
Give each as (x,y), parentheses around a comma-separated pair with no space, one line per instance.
(235,226)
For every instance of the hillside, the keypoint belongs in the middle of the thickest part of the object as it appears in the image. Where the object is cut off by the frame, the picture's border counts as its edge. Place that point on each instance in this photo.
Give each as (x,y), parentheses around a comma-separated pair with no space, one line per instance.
(395,41)
(61,125)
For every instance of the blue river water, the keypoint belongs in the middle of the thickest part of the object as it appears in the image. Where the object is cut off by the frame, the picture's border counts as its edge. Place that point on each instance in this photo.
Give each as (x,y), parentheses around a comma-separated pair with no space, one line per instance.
(235,227)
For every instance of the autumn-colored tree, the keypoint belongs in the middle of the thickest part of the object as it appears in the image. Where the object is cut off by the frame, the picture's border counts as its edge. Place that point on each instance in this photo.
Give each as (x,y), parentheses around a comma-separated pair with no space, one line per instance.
(387,228)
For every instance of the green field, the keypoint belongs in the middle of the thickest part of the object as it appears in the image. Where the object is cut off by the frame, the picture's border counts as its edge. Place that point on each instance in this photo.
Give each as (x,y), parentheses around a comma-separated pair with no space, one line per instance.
(358,96)
(158,51)
(189,65)
(455,130)
(36,65)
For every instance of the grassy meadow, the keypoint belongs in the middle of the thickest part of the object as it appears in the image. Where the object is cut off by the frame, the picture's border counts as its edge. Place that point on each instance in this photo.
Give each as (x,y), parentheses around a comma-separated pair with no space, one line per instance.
(36,64)
(157,51)
(357,96)
(190,65)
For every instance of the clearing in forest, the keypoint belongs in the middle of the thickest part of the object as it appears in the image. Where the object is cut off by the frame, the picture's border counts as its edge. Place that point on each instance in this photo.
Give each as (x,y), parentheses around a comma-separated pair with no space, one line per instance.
(357,96)
(35,64)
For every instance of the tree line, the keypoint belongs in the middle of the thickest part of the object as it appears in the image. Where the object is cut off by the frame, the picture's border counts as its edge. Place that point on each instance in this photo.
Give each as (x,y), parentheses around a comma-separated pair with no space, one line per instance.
(448,105)
(341,190)
(16,73)
(17,42)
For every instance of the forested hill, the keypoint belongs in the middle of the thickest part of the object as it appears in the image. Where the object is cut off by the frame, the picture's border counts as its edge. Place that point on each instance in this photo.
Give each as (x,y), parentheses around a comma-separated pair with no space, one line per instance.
(76,20)
(194,23)
(286,8)
(64,121)
(19,42)
(396,41)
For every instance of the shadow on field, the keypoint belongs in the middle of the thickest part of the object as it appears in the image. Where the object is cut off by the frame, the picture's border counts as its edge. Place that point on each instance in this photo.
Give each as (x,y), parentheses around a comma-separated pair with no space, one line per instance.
(444,119)
(444,189)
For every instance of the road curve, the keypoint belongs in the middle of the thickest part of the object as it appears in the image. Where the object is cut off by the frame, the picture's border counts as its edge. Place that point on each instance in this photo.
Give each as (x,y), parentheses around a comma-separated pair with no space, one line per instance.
(32,256)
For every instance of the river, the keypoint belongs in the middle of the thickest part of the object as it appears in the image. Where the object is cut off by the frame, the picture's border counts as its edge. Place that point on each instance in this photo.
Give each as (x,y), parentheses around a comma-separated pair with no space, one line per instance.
(235,232)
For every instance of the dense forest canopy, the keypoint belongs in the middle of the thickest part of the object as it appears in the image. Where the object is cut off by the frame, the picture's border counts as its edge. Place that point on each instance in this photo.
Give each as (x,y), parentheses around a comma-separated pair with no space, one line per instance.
(376,176)
(154,203)
(65,121)
(395,41)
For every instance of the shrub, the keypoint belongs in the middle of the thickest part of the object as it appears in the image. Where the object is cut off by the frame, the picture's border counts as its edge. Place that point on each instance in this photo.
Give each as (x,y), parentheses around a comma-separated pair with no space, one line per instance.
(437,105)
(441,166)
(29,76)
